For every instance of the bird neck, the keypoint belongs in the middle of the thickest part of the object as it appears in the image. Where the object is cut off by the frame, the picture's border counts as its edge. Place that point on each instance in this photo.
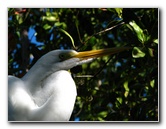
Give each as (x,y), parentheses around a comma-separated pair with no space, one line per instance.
(56,99)
(33,78)
(61,102)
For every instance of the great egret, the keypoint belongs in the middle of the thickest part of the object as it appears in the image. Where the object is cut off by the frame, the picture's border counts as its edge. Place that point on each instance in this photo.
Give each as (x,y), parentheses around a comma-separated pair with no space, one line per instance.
(47,92)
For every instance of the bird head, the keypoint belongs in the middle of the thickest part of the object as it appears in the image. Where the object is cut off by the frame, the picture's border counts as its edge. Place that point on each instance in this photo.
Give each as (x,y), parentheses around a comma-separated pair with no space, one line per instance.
(66,59)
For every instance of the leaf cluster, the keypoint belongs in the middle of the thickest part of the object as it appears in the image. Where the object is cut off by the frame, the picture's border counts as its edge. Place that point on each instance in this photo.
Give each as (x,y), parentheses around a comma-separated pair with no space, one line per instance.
(122,87)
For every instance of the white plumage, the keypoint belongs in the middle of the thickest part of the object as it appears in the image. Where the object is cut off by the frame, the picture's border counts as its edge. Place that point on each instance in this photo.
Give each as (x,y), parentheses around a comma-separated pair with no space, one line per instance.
(47,92)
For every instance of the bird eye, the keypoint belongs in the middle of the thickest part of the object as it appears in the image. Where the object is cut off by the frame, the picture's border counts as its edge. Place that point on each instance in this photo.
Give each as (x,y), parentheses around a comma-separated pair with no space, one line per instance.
(62,56)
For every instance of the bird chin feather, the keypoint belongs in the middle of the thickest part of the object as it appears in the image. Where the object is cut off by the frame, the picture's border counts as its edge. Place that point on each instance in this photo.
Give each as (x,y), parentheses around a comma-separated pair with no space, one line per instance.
(70,63)
(85,61)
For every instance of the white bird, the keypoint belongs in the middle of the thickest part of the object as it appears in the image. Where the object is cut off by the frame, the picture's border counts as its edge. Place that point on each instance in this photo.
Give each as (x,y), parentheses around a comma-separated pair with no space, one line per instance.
(47,92)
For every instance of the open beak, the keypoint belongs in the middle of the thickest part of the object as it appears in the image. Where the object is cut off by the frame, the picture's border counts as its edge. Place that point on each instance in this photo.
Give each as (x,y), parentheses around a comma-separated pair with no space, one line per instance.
(100,52)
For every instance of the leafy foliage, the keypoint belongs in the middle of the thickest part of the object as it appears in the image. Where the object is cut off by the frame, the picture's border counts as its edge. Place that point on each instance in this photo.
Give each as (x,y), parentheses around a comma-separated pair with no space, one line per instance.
(123,87)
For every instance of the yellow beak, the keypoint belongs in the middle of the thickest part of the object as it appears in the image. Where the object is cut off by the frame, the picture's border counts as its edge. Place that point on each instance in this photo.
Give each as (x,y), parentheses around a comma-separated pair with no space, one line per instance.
(100,52)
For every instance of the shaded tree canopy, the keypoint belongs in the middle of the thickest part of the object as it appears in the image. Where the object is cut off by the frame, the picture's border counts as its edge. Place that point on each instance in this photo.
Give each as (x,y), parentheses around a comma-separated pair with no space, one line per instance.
(121,87)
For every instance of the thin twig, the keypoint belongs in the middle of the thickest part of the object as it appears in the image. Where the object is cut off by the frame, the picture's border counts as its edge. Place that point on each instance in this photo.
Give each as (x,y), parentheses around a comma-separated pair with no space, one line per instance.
(103,31)
(99,71)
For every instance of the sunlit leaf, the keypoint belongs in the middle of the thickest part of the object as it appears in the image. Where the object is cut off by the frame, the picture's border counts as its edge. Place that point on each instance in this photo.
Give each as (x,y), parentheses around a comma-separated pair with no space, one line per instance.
(103,114)
(155,41)
(57,24)
(120,100)
(46,26)
(152,82)
(19,19)
(137,52)
(119,12)
(65,32)
(126,88)
(49,18)
(100,119)
(140,33)
(48,13)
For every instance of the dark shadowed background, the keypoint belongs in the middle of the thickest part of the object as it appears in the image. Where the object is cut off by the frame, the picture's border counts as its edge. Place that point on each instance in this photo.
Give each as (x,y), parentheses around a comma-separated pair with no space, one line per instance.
(122,87)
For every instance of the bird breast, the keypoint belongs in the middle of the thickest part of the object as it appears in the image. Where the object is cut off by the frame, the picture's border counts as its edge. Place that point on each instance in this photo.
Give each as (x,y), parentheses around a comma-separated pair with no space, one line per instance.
(57,89)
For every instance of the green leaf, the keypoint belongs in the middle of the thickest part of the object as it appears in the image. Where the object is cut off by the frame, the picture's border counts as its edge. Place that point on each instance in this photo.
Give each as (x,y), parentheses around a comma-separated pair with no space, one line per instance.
(151,52)
(119,12)
(65,32)
(103,114)
(57,24)
(137,52)
(49,18)
(61,25)
(152,82)
(155,41)
(126,88)
(19,19)
(139,32)
(119,100)
(46,26)
(48,13)
(100,119)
